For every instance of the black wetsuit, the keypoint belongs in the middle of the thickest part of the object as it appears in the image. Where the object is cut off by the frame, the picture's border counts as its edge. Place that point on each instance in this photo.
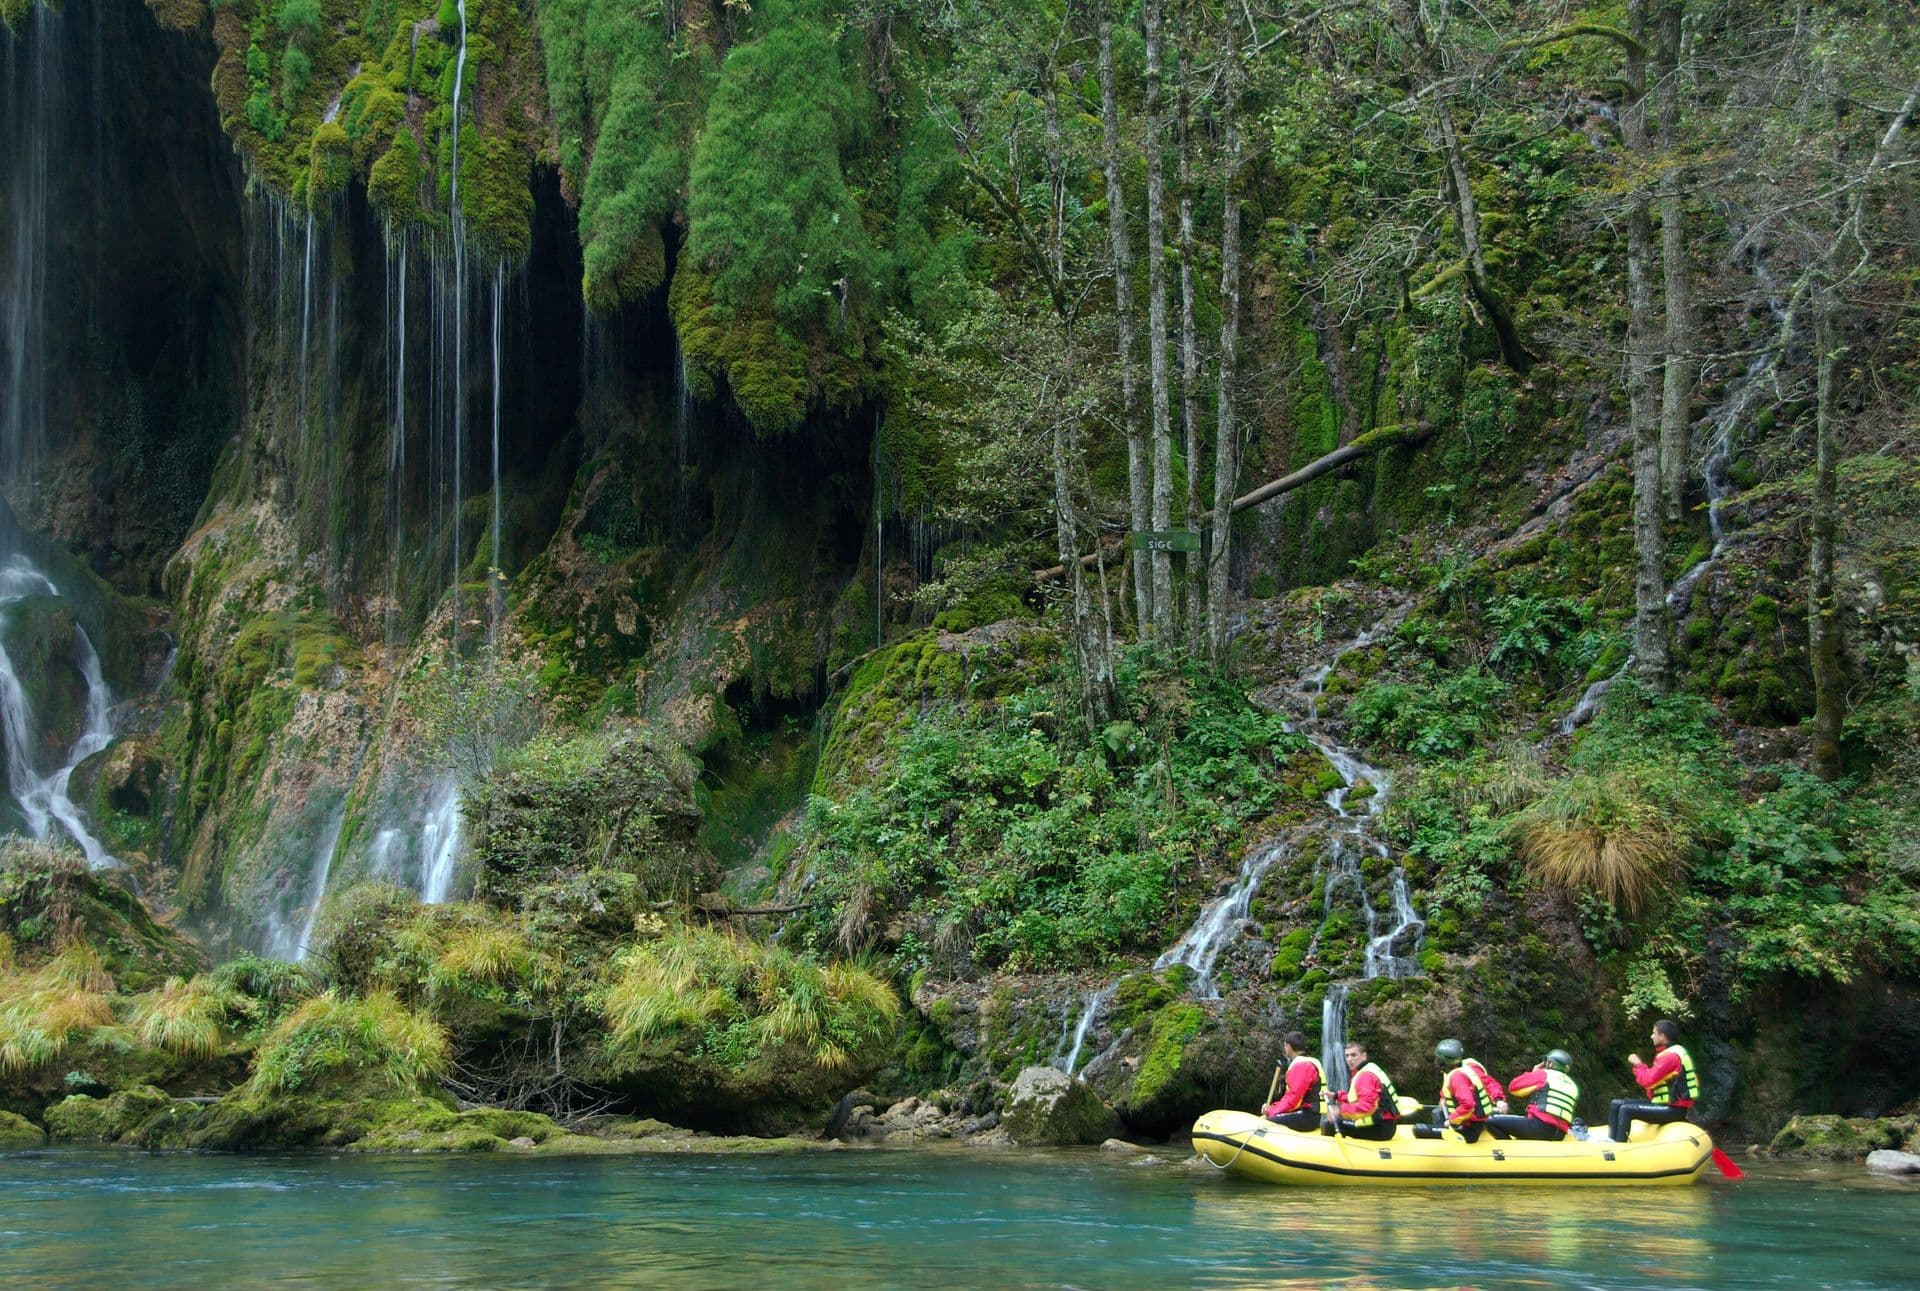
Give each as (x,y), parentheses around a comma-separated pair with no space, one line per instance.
(1509,1126)
(1625,1111)
(1306,1120)
(1380,1131)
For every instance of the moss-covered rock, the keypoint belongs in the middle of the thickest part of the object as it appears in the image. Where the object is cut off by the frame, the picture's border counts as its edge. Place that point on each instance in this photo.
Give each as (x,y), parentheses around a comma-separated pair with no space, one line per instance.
(17,1133)
(1842,1138)
(1048,1107)
(108,1119)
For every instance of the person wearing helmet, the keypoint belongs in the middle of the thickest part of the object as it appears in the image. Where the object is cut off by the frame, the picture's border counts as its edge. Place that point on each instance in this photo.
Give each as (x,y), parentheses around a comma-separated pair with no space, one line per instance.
(1299,1106)
(1468,1094)
(1555,1098)
(1671,1082)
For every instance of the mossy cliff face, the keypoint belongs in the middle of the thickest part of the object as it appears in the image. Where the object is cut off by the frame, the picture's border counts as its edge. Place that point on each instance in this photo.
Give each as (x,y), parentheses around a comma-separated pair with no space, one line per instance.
(133,373)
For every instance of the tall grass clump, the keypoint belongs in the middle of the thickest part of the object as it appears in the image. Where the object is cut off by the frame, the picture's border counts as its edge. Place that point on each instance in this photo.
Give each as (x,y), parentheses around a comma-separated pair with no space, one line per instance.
(732,999)
(40,1012)
(376,1038)
(183,1017)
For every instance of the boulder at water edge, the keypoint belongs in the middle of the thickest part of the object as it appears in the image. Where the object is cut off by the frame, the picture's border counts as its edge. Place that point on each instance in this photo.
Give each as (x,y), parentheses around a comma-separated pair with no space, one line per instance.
(1887,1161)
(18,1132)
(1047,1106)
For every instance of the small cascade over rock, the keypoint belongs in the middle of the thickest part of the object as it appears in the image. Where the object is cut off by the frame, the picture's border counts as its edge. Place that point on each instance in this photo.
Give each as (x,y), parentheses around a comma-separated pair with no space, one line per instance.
(1199,949)
(440,844)
(1720,425)
(290,940)
(43,799)
(32,81)
(1392,947)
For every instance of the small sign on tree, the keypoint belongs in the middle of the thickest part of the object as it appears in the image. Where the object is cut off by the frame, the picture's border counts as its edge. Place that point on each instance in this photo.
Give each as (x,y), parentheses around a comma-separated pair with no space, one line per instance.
(1168,540)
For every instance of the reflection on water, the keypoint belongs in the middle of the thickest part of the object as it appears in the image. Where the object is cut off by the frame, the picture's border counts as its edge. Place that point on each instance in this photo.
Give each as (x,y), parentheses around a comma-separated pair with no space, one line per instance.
(905,1219)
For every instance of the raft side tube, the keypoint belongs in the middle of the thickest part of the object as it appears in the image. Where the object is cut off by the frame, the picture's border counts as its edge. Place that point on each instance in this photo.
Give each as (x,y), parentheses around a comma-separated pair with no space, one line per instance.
(1252,1147)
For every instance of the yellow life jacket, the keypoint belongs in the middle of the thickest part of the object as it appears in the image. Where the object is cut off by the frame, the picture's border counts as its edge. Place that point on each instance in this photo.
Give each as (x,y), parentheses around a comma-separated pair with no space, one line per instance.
(1684,1083)
(1388,1108)
(1559,1097)
(1316,1098)
(1482,1101)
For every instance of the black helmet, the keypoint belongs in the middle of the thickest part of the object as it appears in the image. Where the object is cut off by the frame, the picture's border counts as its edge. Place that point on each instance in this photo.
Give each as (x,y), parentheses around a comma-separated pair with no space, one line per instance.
(1558,1059)
(1450,1051)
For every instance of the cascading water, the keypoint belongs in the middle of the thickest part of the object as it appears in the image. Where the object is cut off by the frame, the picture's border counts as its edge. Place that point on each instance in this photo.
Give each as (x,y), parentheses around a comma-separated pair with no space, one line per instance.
(290,941)
(1090,1010)
(1393,952)
(1199,949)
(440,844)
(42,799)
(1721,422)
(32,82)
(493,557)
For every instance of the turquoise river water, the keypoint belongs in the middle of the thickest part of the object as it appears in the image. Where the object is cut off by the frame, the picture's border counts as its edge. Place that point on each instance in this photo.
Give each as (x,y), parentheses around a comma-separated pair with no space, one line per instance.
(908,1219)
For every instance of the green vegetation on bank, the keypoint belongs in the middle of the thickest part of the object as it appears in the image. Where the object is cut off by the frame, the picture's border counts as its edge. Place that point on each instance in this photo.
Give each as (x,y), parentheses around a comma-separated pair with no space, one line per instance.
(1003,833)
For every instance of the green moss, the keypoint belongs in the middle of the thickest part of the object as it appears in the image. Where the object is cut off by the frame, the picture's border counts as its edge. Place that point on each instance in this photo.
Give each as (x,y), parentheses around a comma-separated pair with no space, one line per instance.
(1173,1027)
(17,1133)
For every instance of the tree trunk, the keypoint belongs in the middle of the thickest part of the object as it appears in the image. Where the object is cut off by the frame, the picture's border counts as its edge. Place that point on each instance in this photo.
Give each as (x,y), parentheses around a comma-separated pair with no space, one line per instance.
(1467,215)
(1823,627)
(1158,374)
(1189,346)
(1226,445)
(1650,627)
(1090,642)
(1677,377)
(1121,254)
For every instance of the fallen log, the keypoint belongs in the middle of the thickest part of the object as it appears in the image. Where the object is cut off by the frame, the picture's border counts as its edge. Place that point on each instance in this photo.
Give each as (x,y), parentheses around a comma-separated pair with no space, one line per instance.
(1371,442)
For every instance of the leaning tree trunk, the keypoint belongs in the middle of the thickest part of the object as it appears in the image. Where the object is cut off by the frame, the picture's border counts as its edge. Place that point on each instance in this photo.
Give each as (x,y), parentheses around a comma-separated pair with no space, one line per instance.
(1161,378)
(1226,444)
(1467,216)
(1121,253)
(1677,377)
(1823,609)
(1650,626)
(1189,345)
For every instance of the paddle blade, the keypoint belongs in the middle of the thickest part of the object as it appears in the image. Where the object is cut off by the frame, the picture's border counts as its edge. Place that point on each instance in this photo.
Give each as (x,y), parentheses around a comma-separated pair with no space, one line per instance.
(1727,1167)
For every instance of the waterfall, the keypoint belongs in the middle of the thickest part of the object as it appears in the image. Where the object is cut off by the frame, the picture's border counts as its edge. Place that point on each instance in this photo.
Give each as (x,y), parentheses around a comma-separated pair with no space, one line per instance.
(43,800)
(1333,1036)
(1353,838)
(1089,1011)
(493,560)
(440,844)
(380,857)
(1199,948)
(396,431)
(31,81)
(283,940)
(1349,837)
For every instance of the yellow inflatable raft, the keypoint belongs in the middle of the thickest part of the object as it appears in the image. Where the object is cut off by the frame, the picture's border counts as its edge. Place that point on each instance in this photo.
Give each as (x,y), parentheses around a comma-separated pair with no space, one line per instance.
(1249,1145)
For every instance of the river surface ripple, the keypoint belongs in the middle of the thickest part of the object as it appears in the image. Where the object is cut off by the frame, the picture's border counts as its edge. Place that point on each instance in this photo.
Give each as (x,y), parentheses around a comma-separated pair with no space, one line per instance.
(931,1219)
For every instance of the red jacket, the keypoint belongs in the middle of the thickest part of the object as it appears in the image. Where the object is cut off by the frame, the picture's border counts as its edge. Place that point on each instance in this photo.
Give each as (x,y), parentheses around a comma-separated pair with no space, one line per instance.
(1303,1079)
(1665,1063)
(1493,1086)
(1364,1098)
(1530,1082)
(1459,1094)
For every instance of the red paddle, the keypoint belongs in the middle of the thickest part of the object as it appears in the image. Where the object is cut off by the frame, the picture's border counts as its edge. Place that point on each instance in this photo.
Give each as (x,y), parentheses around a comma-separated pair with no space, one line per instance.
(1727,1167)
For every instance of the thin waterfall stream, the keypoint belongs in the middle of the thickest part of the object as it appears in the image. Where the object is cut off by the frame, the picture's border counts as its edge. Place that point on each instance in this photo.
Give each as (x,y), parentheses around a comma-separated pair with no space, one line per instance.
(43,799)
(1392,945)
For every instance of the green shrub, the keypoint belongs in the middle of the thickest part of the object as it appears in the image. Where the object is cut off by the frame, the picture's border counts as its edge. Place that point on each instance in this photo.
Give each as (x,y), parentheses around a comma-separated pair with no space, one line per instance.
(1441,716)
(330,1037)
(729,999)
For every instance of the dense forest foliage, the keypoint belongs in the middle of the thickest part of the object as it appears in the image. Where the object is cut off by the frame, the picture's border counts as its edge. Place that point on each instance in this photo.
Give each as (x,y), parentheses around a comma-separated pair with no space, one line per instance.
(1522,394)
